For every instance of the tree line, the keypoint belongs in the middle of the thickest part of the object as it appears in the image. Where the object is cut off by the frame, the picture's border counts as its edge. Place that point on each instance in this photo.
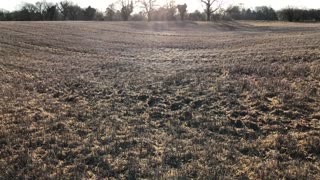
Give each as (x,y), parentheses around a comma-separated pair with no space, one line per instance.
(268,13)
(150,11)
(47,11)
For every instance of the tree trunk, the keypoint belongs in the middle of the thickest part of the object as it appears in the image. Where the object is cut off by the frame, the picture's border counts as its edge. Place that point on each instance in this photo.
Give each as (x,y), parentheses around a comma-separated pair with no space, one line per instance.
(149,16)
(208,13)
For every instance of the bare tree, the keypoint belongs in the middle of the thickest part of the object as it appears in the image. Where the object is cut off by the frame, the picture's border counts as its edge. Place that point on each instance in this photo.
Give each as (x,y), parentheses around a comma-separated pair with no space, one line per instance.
(171,9)
(71,11)
(30,8)
(44,8)
(148,6)
(28,12)
(51,13)
(41,6)
(126,9)
(64,8)
(89,13)
(110,12)
(182,10)
(211,6)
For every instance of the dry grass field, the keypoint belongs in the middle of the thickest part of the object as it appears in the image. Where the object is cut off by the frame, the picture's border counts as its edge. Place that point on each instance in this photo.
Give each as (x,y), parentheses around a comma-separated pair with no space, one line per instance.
(138,100)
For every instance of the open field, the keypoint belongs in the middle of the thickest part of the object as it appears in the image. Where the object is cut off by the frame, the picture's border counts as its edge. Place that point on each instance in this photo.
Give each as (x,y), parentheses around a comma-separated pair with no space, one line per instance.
(146,100)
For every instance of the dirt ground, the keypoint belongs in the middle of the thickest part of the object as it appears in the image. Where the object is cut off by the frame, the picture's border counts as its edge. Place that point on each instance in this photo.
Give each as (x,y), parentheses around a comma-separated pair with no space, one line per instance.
(138,100)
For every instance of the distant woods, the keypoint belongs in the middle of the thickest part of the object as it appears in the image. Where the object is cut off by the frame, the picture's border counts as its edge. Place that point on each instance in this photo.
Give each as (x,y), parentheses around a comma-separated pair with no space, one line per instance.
(268,13)
(47,11)
(150,10)
(298,15)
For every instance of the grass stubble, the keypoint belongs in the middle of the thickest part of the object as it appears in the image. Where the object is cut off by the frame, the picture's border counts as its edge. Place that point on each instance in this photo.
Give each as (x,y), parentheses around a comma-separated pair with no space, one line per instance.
(120,100)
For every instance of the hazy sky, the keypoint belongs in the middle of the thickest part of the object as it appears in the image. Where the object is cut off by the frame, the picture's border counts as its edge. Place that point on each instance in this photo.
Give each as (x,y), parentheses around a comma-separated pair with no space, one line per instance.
(192,4)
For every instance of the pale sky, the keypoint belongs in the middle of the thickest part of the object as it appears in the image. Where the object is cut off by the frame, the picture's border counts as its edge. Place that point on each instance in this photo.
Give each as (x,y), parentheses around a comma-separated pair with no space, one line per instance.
(192,4)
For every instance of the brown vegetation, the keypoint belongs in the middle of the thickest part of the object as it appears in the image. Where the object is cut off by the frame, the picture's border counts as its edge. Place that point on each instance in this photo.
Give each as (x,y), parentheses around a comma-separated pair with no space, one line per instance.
(145,100)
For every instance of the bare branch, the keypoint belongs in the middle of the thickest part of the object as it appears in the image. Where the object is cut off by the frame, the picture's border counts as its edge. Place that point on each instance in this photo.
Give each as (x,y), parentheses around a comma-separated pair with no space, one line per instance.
(209,10)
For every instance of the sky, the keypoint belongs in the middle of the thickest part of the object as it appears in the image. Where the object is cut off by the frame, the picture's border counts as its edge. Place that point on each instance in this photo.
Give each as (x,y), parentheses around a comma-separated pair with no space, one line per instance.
(192,4)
